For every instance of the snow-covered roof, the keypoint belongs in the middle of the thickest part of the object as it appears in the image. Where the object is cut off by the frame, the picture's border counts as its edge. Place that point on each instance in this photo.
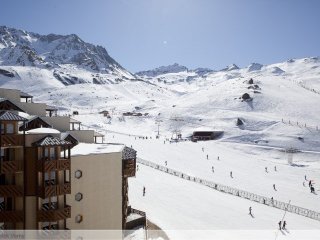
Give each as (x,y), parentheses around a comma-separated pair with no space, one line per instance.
(43,130)
(72,120)
(25,95)
(97,134)
(91,148)
(51,108)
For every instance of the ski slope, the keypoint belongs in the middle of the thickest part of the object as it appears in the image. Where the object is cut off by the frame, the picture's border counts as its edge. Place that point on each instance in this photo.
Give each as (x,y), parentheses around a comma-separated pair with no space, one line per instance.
(283,114)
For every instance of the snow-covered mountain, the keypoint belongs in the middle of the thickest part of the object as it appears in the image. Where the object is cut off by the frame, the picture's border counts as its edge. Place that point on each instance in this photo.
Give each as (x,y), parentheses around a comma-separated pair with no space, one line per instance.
(174,68)
(59,54)
(263,111)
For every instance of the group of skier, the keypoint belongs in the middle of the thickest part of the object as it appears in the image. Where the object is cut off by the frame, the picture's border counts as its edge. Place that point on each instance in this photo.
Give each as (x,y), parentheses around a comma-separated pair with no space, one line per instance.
(283,226)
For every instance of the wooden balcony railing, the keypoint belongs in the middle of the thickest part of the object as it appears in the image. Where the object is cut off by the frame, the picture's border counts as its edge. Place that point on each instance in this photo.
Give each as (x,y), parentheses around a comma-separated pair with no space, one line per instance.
(54,215)
(11,216)
(52,165)
(54,190)
(9,140)
(129,168)
(11,191)
(9,167)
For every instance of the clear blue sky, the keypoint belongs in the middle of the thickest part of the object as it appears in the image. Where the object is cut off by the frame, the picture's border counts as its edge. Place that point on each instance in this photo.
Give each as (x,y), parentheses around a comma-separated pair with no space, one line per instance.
(143,34)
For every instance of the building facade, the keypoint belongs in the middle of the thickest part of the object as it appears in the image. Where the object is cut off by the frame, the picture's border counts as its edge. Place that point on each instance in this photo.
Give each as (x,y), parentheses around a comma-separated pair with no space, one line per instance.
(50,179)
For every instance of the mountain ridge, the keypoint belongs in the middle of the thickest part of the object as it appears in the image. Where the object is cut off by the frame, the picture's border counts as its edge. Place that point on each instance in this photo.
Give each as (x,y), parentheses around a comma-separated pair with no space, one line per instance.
(53,52)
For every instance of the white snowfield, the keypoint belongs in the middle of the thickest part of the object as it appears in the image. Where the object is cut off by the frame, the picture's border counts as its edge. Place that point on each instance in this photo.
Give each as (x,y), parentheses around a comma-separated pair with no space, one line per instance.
(282,114)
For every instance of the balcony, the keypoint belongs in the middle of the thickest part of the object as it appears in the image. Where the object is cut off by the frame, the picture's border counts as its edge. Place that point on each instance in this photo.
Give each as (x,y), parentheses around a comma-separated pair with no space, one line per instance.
(54,190)
(11,191)
(11,216)
(135,218)
(54,215)
(129,168)
(11,140)
(53,165)
(9,167)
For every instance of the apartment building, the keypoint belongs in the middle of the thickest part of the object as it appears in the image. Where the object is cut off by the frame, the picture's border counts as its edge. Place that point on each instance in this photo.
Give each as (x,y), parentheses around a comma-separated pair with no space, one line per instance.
(50,179)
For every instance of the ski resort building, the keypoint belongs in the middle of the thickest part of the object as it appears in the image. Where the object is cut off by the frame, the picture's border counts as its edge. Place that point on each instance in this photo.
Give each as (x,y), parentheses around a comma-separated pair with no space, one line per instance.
(51,179)
(205,135)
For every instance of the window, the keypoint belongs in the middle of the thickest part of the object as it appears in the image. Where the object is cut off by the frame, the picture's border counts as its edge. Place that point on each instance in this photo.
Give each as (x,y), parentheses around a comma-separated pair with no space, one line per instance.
(50,203)
(10,128)
(78,174)
(45,225)
(50,178)
(78,197)
(79,218)
(52,153)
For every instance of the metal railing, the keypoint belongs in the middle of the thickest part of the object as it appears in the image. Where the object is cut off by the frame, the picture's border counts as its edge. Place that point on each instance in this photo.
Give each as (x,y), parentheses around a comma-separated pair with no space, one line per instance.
(236,192)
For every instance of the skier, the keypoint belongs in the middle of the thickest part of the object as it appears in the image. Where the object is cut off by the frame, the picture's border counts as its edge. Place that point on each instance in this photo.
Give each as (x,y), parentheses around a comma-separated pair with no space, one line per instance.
(275,168)
(274,187)
(272,200)
(304,184)
(218,158)
(231,174)
(202,149)
(166,163)
(284,225)
(266,169)
(312,189)
(164,142)
(207,156)
(137,167)
(144,190)
(250,208)
(305,177)
(279,225)
(213,169)
(310,183)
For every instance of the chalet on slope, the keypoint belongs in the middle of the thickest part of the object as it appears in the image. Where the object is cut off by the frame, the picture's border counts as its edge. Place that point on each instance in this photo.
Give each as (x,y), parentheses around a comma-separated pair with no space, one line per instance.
(205,135)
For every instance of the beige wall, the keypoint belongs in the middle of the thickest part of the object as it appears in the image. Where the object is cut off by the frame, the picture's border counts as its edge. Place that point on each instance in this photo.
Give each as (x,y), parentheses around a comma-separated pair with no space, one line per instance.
(85,136)
(101,186)
(61,123)
(38,109)
(11,94)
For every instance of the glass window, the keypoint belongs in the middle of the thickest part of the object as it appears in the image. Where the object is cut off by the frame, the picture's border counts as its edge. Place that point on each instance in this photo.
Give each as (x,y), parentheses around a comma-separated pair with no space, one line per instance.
(78,174)
(79,218)
(52,153)
(10,128)
(46,152)
(78,197)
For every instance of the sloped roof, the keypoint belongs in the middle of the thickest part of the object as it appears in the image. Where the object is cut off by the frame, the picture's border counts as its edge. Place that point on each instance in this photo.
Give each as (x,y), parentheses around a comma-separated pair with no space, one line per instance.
(97,134)
(25,95)
(50,141)
(10,116)
(66,135)
(11,104)
(128,153)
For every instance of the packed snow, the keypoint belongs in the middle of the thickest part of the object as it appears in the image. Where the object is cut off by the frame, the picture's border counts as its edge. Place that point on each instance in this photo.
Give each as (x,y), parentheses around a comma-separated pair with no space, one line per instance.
(281,115)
